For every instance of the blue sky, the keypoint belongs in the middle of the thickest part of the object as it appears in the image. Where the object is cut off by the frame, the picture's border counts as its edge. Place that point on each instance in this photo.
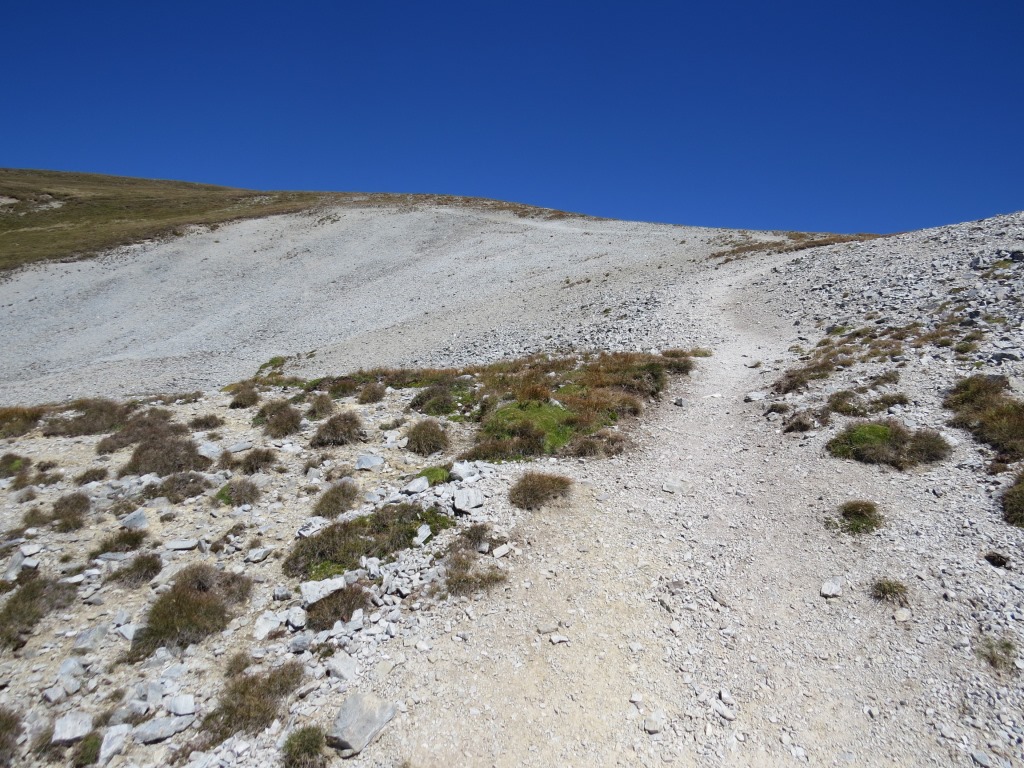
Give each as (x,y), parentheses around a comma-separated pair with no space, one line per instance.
(865,116)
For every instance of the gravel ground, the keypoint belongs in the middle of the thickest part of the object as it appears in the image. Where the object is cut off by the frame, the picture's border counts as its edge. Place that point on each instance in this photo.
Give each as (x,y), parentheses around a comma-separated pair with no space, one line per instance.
(685,577)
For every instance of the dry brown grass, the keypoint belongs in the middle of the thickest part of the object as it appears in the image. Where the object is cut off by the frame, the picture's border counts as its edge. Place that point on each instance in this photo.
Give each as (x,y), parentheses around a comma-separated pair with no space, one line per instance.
(427,437)
(249,703)
(535,489)
(279,418)
(69,512)
(10,730)
(198,605)
(343,429)
(320,406)
(372,393)
(337,499)
(338,606)
(165,456)
(889,442)
(18,421)
(141,570)
(88,416)
(30,603)
(982,406)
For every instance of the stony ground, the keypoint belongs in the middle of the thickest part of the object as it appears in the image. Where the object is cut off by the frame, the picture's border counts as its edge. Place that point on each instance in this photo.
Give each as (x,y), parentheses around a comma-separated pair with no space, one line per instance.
(671,610)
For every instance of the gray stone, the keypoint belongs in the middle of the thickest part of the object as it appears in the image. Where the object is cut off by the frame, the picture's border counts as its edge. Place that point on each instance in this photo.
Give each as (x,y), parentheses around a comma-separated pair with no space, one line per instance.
(71,668)
(181,545)
(359,721)
(723,711)
(754,397)
(14,567)
(238,447)
(89,641)
(312,527)
(296,618)
(673,487)
(71,727)
(464,470)
(182,704)
(127,631)
(312,591)
(467,499)
(265,624)
(258,555)
(342,667)
(419,485)
(656,721)
(161,728)
(981,759)
(300,643)
(501,551)
(832,587)
(368,461)
(422,534)
(113,742)
(209,450)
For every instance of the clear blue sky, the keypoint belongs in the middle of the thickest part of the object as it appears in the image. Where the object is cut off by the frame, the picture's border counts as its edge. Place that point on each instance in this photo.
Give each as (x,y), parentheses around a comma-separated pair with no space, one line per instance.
(854,116)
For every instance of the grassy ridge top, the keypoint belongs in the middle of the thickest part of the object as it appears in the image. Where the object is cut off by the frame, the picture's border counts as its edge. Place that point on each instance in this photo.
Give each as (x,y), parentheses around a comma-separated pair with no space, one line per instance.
(48,215)
(55,215)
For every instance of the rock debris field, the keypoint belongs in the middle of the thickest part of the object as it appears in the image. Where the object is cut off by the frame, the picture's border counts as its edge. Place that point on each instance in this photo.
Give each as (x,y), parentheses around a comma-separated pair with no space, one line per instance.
(699,598)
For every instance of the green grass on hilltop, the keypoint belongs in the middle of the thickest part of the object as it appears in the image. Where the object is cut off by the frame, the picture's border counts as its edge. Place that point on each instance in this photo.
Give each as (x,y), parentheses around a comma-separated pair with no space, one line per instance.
(97,212)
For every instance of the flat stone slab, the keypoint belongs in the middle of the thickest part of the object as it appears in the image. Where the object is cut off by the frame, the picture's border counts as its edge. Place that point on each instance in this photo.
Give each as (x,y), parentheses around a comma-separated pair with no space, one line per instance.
(312,591)
(419,485)
(161,728)
(182,545)
(359,721)
(72,727)
(832,588)
(467,499)
(368,461)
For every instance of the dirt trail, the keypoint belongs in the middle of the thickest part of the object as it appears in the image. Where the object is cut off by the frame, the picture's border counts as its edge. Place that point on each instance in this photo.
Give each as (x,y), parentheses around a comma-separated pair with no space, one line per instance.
(701,604)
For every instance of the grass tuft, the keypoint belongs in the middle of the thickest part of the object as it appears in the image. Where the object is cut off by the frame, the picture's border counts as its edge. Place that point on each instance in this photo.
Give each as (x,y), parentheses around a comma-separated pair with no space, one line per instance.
(535,489)
(1000,653)
(889,591)
(982,406)
(206,421)
(91,475)
(338,547)
(69,512)
(427,437)
(860,516)
(194,608)
(1013,502)
(257,460)
(279,418)
(888,442)
(304,748)
(122,541)
(11,464)
(87,751)
(10,730)
(18,421)
(150,426)
(238,492)
(165,457)
(343,429)
(250,703)
(92,416)
(245,396)
(181,486)
(338,606)
(435,475)
(372,393)
(337,499)
(29,604)
(141,570)
(321,406)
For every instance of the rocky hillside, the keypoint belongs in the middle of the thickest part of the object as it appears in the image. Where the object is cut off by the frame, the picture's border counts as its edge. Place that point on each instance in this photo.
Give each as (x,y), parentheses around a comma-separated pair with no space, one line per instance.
(804,547)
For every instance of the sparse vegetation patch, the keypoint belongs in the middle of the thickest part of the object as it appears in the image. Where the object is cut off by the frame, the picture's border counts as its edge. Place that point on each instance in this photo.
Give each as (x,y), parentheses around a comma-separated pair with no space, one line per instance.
(859,516)
(34,599)
(249,703)
(888,442)
(535,489)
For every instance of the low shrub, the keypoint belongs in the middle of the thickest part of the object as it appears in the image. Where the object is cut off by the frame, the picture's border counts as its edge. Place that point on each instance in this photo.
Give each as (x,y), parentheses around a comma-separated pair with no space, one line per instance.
(11,464)
(92,475)
(435,475)
(152,426)
(279,418)
(890,591)
(304,748)
(535,489)
(141,570)
(194,608)
(237,664)
(18,421)
(245,396)
(438,399)
(338,547)
(982,406)
(321,406)
(343,429)
(238,492)
(165,457)
(69,512)
(1013,503)
(10,730)
(372,393)
(427,437)
(250,703)
(888,442)
(257,460)
(29,604)
(87,751)
(93,416)
(122,541)
(338,606)
(206,421)
(859,516)
(1000,653)
(465,574)
(337,499)
(181,486)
